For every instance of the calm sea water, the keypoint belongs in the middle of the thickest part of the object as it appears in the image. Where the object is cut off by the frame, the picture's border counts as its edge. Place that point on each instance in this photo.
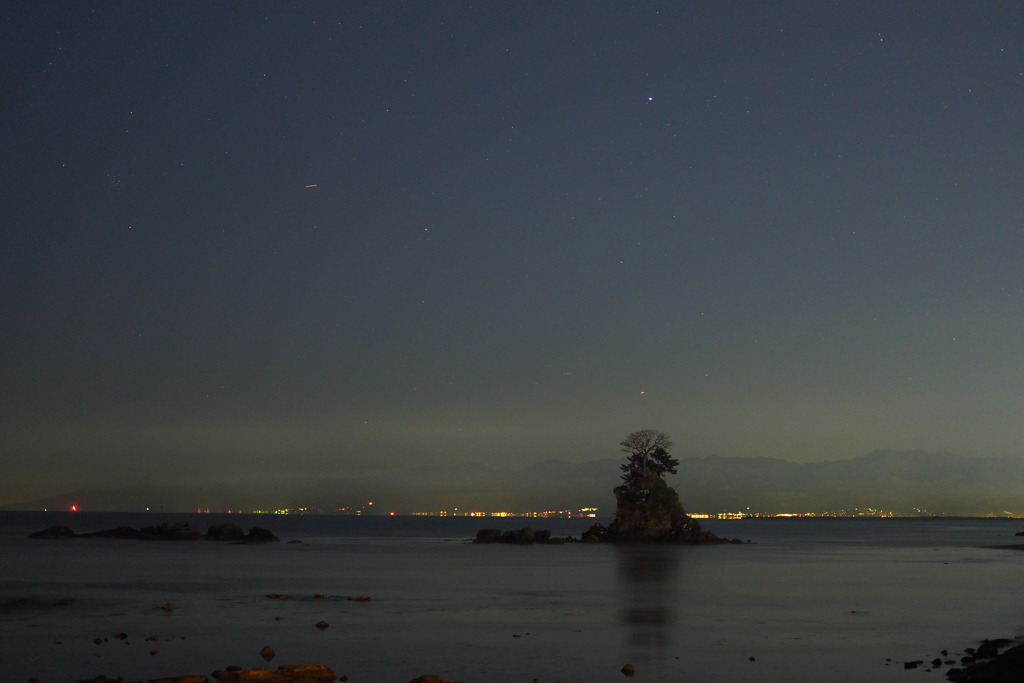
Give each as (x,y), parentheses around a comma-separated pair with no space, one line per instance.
(843,600)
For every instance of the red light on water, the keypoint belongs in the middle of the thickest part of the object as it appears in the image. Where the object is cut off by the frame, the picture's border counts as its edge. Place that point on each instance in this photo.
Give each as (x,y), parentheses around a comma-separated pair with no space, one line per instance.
(74,508)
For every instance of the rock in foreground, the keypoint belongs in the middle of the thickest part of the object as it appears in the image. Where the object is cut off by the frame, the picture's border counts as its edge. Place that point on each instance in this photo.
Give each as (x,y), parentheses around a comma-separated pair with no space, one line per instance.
(1005,667)
(291,673)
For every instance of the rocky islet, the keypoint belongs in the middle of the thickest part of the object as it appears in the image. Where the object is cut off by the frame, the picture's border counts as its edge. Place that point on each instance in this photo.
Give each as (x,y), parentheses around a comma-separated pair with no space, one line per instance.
(166,531)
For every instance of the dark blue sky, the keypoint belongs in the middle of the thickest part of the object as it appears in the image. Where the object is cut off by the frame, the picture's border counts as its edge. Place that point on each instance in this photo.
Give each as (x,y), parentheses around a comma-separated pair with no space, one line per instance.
(770,229)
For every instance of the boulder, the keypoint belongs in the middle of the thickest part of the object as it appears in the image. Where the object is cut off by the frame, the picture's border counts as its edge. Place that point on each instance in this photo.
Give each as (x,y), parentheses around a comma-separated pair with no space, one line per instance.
(524,535)
(990,648)
(260,535)
(170,531)
(487,536)
(1004,667)
(290,673)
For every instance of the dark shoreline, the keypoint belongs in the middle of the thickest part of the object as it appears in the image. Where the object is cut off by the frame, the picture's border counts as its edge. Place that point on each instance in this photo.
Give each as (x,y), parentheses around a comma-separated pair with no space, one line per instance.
(994,661)
(997,660)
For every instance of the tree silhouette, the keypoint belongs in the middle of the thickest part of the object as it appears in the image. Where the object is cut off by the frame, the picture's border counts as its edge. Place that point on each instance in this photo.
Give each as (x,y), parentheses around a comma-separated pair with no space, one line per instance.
(648,454)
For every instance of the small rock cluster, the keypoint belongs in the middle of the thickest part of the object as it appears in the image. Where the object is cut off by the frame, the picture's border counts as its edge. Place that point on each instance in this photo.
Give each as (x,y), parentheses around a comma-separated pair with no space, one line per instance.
(523,536)
(983,664)
(290,673)
(986,664)
(167,531)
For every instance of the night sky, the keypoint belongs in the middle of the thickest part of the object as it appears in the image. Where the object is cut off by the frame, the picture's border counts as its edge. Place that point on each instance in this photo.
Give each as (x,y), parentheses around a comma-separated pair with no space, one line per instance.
(260,241)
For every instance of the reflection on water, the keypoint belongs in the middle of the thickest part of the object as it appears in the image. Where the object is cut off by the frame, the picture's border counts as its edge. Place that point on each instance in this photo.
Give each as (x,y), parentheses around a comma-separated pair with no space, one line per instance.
(646,586)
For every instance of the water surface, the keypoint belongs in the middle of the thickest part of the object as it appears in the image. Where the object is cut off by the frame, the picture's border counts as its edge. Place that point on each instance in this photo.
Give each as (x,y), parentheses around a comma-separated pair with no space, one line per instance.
(849,600)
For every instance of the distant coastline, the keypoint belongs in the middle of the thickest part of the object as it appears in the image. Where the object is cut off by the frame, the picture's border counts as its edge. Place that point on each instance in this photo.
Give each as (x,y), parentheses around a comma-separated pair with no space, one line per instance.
(880,484)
